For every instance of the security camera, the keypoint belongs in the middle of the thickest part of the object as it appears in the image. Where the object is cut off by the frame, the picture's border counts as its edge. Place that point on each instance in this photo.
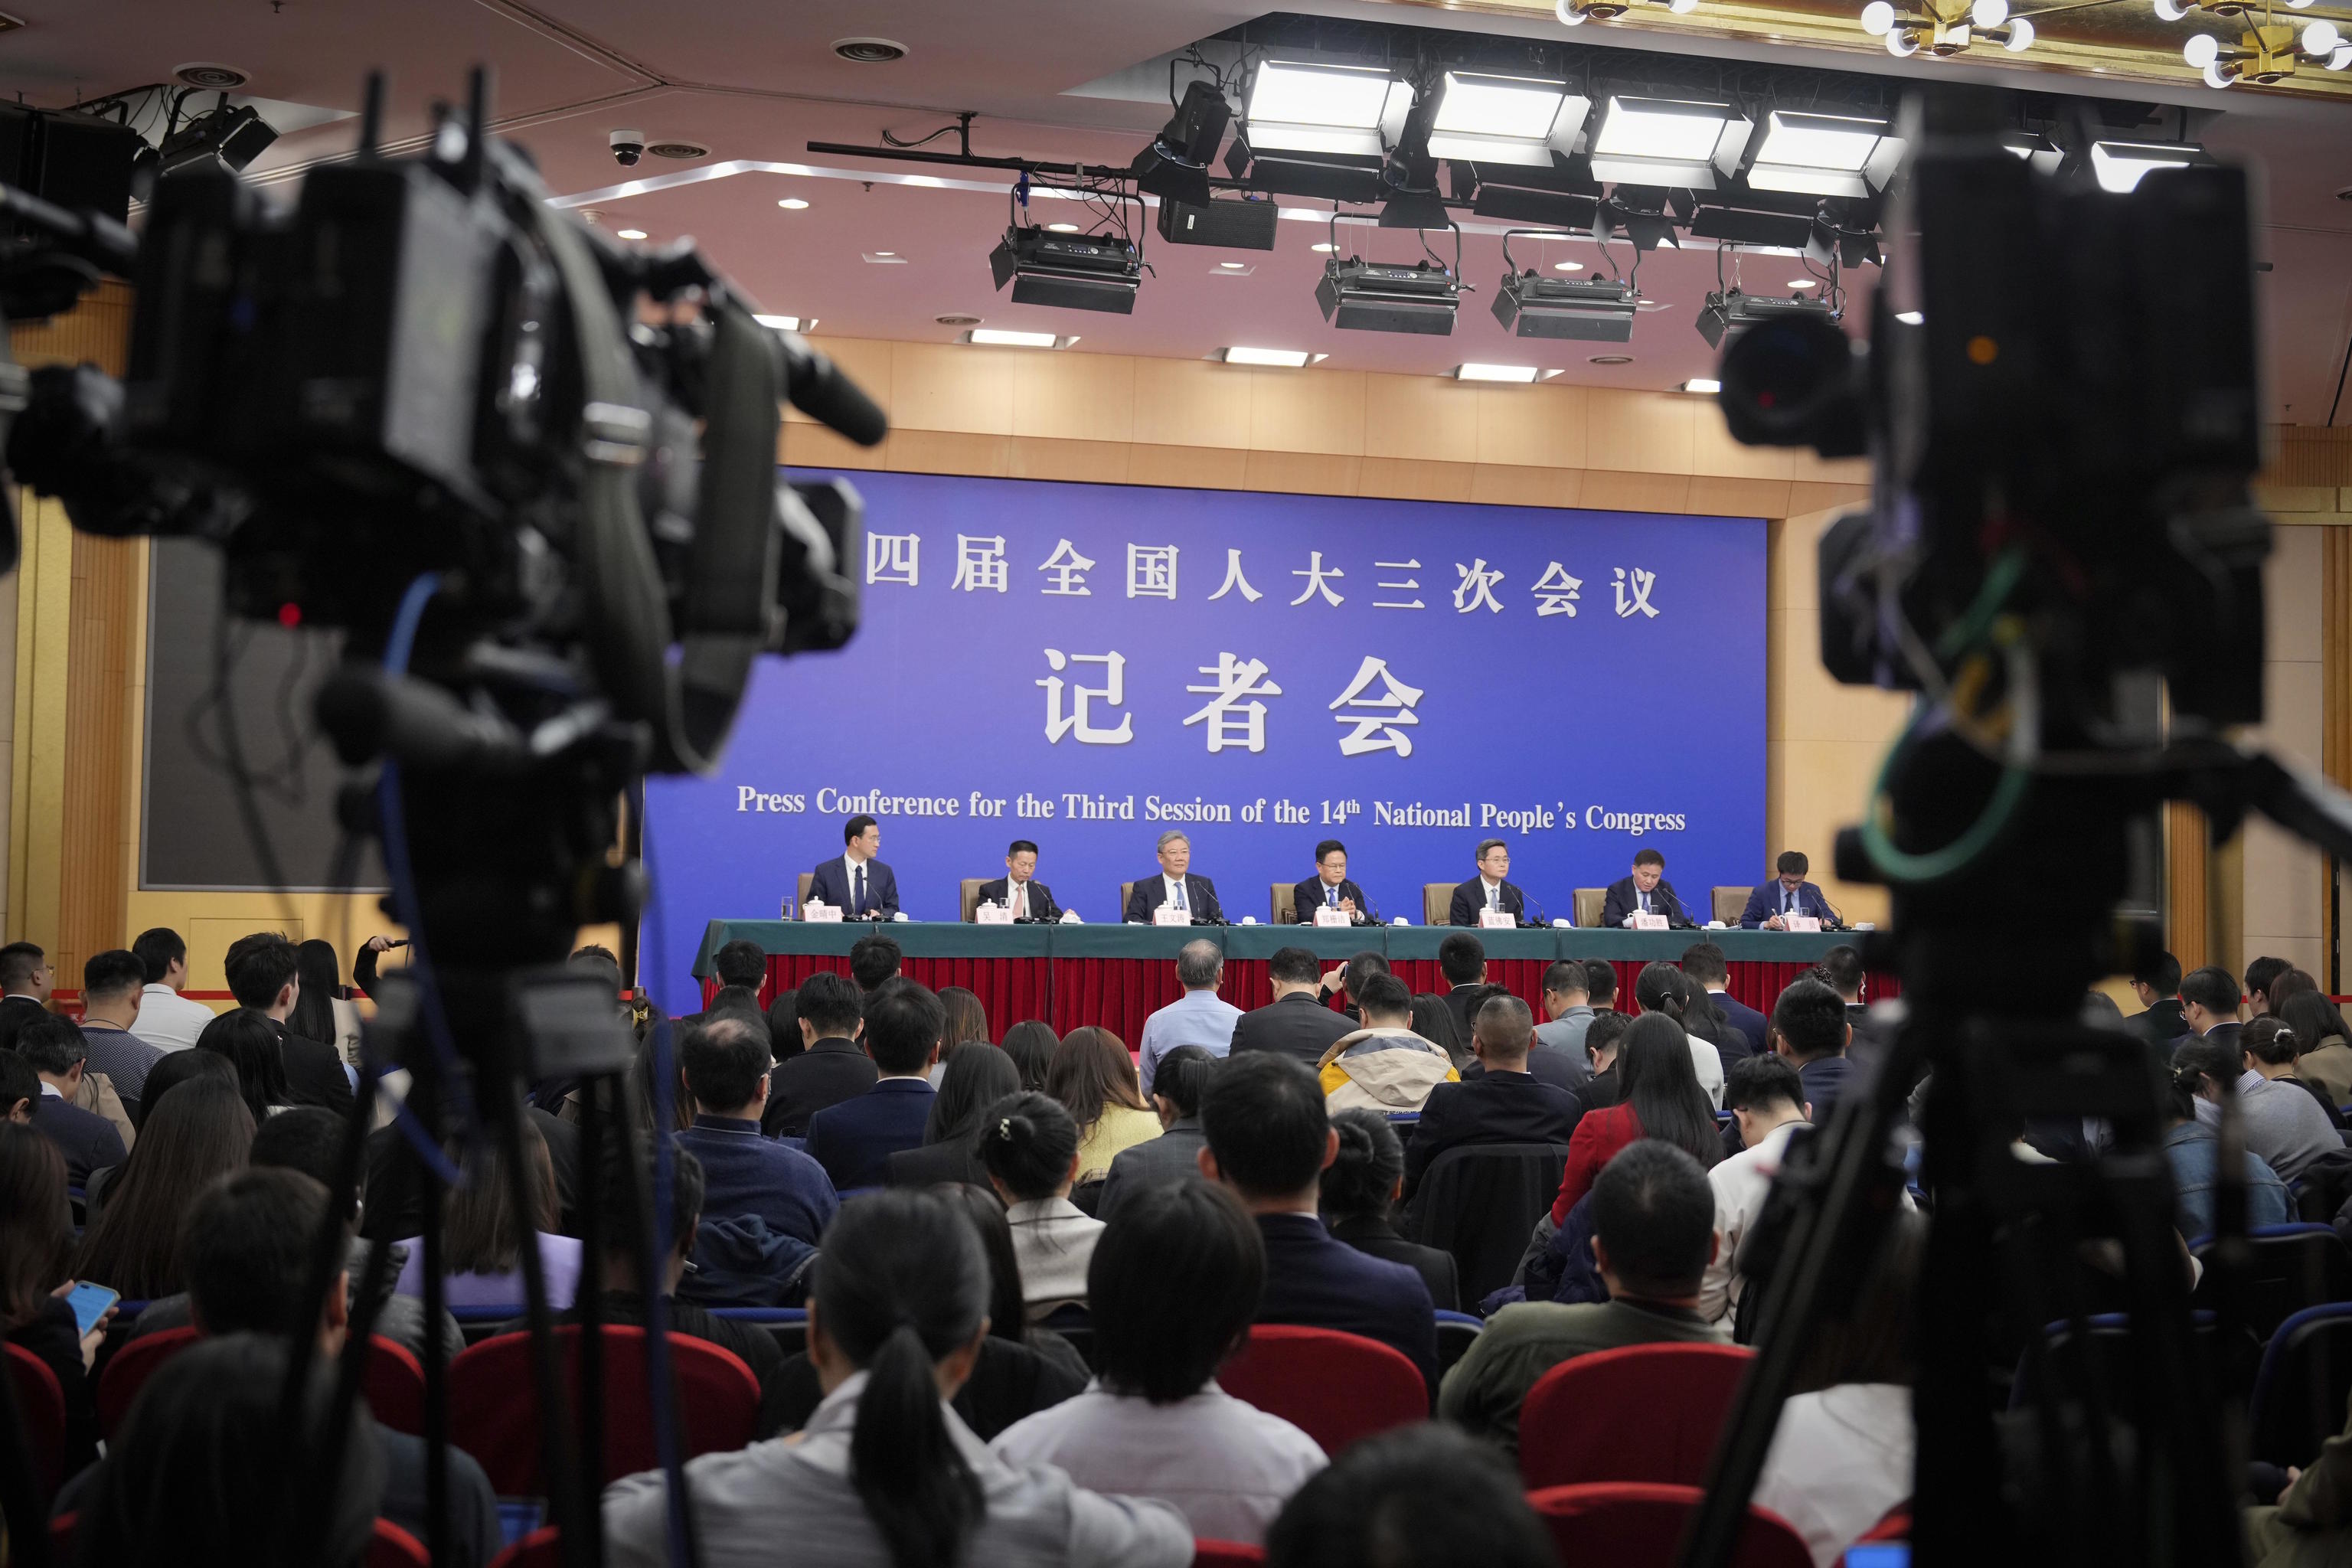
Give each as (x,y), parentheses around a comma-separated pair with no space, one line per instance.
(628,146)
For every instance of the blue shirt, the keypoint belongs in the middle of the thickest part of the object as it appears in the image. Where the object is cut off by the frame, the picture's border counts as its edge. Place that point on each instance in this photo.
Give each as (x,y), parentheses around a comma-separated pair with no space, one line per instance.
(2195,1150)
(744,1173)
(1200,1018)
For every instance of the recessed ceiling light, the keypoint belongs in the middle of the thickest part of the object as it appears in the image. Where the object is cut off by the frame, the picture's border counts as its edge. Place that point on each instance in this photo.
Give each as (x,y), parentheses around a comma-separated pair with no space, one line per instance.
(1610,359)
(1324,248)
(1063,227)
(998,337)
(788,323)
(1702,384)
(632,233)
(958,319)
(885,259)
(1234,266)
(1911,318)
(1285,359)
(869,51)
(1521,374)
(932,180)
(1800,284)
(1568,267)
(792,204)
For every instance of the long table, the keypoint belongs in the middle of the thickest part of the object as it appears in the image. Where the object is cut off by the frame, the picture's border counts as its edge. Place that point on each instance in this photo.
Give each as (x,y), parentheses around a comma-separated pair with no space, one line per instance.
(1116,975)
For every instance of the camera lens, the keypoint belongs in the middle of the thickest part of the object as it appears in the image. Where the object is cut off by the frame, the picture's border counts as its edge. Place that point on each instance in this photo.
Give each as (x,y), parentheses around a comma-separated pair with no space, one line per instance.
(1791,383)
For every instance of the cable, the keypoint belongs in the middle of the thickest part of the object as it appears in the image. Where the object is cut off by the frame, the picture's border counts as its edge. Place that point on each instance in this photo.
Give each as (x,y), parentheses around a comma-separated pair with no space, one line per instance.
(2334,402)
(919,141)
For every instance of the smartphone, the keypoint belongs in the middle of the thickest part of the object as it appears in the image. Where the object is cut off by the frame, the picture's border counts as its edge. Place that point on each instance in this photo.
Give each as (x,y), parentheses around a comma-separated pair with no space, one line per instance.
(90,1303)
(1879,1554)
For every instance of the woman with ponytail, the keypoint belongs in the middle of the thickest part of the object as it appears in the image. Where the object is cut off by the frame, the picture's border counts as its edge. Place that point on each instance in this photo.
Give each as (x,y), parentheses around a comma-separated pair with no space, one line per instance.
(1663,988)
(885,1475)
(1029,1146)
(1360,1187)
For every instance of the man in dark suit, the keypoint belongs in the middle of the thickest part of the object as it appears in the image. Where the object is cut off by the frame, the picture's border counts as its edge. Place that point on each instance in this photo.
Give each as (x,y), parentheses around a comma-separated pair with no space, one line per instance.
(1462,959)
(831,1069)
(1176,886)
(1504,1104)
(2208,1004)
(1018,889)
(264,975)
(1330,888)
(1703,963)
(1600,1043)
(1174,1156)
(2162,1025)
(1787,894)
(855,1138)
(1488,889)
(24,980)
(1810,1027)
(1268,1138)
(1645,892)
(1296,1022)
(858,885)
(53,1048)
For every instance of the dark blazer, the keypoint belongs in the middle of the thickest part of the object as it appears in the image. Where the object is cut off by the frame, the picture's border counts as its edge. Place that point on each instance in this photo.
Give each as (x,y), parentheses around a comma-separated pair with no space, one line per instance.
(16,1012)
(854,1141)
(1600,1092)
(831,885)
(1149,892)
(828,1073)
(1296,1025)
(2161,1025)
(1619,901)
(1765,903)
(1492,1108)
(86,1140)
(1370,1234)
(1042,906)
(1742,1017)
(1313,1279)
(1463,1001)
(1173,1157)
(1548,1064)
(314,1072)
(1308,897)
(933,1164)
(1471,897)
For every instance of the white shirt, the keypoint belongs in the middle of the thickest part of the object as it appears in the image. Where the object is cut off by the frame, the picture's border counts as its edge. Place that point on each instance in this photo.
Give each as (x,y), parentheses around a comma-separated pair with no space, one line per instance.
(1709,1064)
(1840,1459)
(169,1021)
(1053,1242)
(849,881)
(1741,1183)
(1228,1467)
(1177,898)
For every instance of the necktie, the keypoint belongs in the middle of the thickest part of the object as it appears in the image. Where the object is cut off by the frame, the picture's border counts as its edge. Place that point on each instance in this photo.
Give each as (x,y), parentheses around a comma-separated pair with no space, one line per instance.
(1494,896)
(1331,896)
(1180,894)
(1788,901)
(858,907)
(1020,898)
(1645,903)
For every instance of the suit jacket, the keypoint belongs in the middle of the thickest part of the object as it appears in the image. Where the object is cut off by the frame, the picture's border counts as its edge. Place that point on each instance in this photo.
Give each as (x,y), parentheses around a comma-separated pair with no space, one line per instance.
(1318,1281)
(15,1013)
(828,1073)
(1471,897)
(1296,1025)
(934,1163)
(86,1140)
(1377,1237)
(314,1072)
(831,886)
(1042,906)
(1463,1001)
(1308,897)
(2161,1025)
(854,1141)
(1160,1161)
(1621,901)
(1492,1108)
(1742,1017)
(1150,893)
(1765,903)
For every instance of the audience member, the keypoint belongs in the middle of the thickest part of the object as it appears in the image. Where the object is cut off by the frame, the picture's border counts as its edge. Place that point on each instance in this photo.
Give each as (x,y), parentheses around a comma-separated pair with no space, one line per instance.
(484,1233)
(178,1067)
(967,1019)
(2157,986)
(1174,1156)
(1199,1017)
(20,1089)
(53,1048)
(323,1009)
(2270,1045)
(1155,1423)
(110,994)
(265,975)
(1432,1020)
(200,1131)
(1424,1497)
(1297,1022)
(1840,970)
(1568,1013)
(740,964)
(250,1043)
(1663,988)
(784,1024)
(1346,982)
(1030,1147)
(1360,1187)
(897,1323)
(1462,960)
(1384,1065)
(2323,1044)
(167,1020)
(726,1065)
(1031,1045)
(1653,1237)
(732,1002)
(830,1068)
(1094,1078)
(25,980)
(2259,976)
(1766,1097)
(36,1249)
(1600,985)
(874,962)
(1703,963)
(1811,1025)
(2193,1147)
(2208,1001)
(1268,1136)
(855,1138)
(1603,1041)
(1660,1099)
(977,1075)
(1504,1104)
(2281,1122)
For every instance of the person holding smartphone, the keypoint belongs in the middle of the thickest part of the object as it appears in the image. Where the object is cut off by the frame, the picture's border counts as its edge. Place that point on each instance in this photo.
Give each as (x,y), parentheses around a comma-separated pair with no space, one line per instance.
(41,1309)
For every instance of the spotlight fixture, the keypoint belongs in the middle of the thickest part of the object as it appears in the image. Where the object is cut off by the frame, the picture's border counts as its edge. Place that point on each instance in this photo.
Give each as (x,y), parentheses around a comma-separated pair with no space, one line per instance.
(2265,53)
(2040,153)
(1529,305)
(1731,312)
(1075,271)
(1175,167)
(1277,359)
(1001,338)
(788,323)
(1297,107)
(1518,374)
(1948,27)
(224,138)
(1379,297)
(1704,385)
(1061,228)
(1505,118)
(1231,225)
(2119,165)
(1669,142)
(1828,155)
(1576,13)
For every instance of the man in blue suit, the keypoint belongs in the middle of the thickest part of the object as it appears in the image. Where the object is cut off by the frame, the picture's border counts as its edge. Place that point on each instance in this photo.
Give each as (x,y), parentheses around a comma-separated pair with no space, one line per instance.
(1787,894)
(858,885)
(854,1140)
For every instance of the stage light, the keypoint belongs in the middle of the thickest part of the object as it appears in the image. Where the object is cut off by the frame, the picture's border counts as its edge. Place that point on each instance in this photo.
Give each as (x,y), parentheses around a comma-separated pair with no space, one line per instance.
(1824,154)
(1519,375)
(1568,267)
(997,337)
(1323,248)
(1229,224)
(1798,285)
(1988,13)
(1596,310)
(1772,234)
(1295,107)
(1505,118)
(1667,141)
(2037,151)
(2169,11)
(2202,50)
(1702,385)
(1061,228)
(2320,39)
(788,323)
(224,138)
(1373,297)
(1728,314)
(2120,165)
(1077,272)
(1279,359)
(1911,318)
(1878,17)
(794,205)
(632,232)
(1900,43)
(2341,58)
(1175,167)
(2021,35)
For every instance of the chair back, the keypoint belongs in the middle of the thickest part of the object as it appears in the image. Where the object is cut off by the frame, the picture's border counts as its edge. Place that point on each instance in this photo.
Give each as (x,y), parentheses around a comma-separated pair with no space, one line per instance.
(968,898)
(1644,1412)
(2306,1380)
(1284,901)
(1126,891)
(41,1405)
(494,1410)
(1730,903)
(128,1373)
(1643,1522)
(1480,1202)
(1334,1387)
(1437,902)
(800,897)
(1587,906)
(542,1548)
(2294,1267)
(393,1380)
(1457,1332)
(392,1547)
(1226,1554)
(2102,1356)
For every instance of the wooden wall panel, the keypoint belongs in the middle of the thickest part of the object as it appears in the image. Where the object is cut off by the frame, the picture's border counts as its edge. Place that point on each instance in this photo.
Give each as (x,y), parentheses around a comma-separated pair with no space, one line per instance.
(94,878)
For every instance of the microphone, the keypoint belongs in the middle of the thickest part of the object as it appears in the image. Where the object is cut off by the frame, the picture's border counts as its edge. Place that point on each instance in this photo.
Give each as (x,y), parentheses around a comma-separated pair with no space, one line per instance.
(1543,917)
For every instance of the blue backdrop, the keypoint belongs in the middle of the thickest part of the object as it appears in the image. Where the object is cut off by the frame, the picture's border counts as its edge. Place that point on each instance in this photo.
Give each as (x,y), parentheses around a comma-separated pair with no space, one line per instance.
(1087,666)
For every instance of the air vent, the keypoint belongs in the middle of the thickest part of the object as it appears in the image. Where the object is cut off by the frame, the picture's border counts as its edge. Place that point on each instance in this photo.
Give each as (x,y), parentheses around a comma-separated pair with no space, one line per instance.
(869,51)
(211,77)
(957,318)
(1610,359)
(680,150)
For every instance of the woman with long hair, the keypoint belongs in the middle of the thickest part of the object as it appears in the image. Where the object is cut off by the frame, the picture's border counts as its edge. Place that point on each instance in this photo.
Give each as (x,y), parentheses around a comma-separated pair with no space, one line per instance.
(322,1006)
(483,1234)
(2323,1045)
(1030,1044)
(977,1075)
(1662,988)
(1659,1097)
(35,1246)
(249,1040)
(885,1469)
(1360,1187)
(967,1019)
(1093,1075)
(202,1130)
(1030,1147)
(1432,1020)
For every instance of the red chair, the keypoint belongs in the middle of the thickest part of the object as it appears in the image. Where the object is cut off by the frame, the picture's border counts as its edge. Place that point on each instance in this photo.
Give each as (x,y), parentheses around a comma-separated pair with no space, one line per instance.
(42,1404)
(1226,1554)
(1645,1412)
(542,1548)
(1637,1524)
(61,1536)
(1335,1387)
(494,1410)
(392,1547)
(393,1381)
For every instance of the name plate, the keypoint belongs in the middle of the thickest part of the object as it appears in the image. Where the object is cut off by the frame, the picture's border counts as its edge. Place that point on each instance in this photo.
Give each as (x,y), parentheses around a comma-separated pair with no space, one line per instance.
(1496,920)
(1170,915)
(820,913)
(1801,922)
(1324,915)
(993,915)
(1649,923)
